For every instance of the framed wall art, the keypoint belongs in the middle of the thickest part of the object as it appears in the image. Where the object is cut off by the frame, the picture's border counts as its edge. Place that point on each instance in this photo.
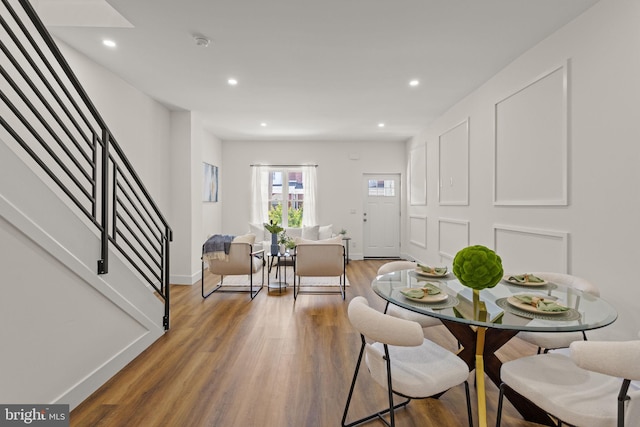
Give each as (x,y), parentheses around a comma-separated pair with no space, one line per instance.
(210,183)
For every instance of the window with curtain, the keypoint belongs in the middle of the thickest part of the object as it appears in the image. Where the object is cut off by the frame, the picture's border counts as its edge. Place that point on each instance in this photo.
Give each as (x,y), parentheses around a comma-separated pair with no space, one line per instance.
(284,195)
(286,198)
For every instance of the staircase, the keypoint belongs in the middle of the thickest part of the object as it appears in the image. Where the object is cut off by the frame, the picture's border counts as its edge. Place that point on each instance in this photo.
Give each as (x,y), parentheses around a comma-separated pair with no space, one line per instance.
(84,249)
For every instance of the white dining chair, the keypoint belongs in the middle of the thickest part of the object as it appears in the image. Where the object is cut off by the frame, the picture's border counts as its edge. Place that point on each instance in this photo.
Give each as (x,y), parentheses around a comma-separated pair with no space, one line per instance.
(589,387)
(546,341)
(403,313)
(402,361)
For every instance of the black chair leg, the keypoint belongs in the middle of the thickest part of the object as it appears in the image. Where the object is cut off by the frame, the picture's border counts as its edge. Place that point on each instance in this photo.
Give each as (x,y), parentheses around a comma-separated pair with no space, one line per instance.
(202,281)
(499,410)
(468,395)
(353,382)
(389,386)
(380,414)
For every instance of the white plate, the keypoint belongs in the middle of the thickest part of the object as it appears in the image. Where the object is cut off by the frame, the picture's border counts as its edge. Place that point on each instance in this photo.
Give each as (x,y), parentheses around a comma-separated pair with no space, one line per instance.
(429,298)
(425,274)
(506,279)
(528,307)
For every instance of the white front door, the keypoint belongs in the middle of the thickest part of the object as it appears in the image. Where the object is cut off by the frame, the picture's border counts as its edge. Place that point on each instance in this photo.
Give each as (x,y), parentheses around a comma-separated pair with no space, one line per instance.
(381,216)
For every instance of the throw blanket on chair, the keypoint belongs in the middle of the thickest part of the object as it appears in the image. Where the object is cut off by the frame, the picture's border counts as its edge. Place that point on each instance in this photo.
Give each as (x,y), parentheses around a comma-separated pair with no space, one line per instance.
(217,246)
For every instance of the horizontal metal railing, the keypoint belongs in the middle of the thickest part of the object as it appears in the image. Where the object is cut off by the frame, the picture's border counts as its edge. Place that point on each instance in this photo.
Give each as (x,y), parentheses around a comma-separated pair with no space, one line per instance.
(46,112)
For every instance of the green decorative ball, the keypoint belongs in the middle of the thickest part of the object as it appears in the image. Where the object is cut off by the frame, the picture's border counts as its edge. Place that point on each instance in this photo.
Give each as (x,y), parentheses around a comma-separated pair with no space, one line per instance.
(478,267)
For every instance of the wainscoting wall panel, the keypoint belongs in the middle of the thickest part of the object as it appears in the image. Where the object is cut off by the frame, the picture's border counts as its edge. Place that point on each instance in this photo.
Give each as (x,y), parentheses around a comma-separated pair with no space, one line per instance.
(526,249)
(531,142)
(453,180)
(453,236)
(418,230)
(418,175)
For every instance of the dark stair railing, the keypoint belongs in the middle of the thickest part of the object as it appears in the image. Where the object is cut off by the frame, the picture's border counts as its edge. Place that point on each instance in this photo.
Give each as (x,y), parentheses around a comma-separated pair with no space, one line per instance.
(45,111)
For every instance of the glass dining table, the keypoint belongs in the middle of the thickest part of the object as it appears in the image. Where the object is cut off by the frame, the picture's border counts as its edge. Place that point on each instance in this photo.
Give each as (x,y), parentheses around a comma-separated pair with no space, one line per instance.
(482,327)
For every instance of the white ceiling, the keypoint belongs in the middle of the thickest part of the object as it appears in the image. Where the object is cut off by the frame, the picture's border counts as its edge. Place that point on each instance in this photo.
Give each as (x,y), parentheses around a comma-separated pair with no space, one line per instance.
(310,69)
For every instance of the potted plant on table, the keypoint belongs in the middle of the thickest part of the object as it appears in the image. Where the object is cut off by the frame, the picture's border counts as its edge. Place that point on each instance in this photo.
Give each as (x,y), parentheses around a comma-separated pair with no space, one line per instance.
(274,229)
(478,267)
(286,242)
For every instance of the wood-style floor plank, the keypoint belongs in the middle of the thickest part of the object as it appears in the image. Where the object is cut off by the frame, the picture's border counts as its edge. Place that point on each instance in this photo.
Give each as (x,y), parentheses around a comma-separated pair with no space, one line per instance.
(270,362)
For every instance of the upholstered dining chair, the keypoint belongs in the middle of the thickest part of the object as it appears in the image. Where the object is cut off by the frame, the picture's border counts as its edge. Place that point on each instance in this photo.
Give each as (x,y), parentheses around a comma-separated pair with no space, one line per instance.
(403,313)
(552,340)
(324,259)
(590,387)
(241,260)
(402,361)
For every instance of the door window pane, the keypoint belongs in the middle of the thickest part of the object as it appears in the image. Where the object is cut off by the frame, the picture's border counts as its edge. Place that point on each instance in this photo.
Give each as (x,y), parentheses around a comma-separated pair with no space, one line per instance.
(382,188)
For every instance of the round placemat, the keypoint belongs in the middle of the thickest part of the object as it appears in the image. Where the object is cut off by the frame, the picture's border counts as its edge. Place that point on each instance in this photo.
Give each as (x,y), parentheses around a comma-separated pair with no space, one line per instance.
(451,301)
(571,314)
(426,278)
(548,286)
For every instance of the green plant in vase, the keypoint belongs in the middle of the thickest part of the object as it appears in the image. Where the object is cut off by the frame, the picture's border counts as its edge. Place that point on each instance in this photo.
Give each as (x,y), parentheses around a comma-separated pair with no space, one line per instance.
(287,242)
(274,229)
(478,267)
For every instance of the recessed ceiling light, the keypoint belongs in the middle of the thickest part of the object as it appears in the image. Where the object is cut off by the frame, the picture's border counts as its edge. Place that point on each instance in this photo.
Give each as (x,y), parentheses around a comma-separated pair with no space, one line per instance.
(232,82)
(109,43)
(201,41)
(414,82)
(263,124)
(380,125)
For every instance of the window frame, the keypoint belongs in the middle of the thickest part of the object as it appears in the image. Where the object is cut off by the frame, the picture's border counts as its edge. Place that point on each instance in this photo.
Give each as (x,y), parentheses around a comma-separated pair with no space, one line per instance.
(285,174)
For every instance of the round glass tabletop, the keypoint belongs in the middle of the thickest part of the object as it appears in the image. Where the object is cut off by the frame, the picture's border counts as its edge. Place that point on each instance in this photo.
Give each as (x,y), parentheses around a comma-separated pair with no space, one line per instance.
(505,309)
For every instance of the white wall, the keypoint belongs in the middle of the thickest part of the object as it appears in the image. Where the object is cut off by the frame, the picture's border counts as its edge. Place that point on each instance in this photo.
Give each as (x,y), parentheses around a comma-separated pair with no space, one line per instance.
(181,211)
(601,217)
(339,178)
(211,211)
(192,219)
(140,125)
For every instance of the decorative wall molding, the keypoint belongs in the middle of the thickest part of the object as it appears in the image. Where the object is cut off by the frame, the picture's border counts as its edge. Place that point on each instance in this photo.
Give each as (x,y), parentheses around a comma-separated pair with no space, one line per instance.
(524,249)
(418,175)
(418,230)
(453,235)
(531,143)
(453,165)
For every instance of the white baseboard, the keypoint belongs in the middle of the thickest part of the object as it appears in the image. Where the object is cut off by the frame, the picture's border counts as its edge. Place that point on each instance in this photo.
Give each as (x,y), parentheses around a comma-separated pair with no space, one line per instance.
(92,382)
(183,279)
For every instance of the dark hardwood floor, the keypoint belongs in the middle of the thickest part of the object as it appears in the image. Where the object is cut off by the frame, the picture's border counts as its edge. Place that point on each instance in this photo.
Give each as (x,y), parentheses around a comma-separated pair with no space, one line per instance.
(270,362)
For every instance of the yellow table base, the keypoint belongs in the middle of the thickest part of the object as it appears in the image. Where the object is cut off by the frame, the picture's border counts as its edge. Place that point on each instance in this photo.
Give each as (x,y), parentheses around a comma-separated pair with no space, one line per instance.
(480,388)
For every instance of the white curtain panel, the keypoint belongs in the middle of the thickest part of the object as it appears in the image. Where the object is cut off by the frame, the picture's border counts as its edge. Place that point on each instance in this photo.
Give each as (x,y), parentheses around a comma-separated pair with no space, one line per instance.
(259,194)
(309,217)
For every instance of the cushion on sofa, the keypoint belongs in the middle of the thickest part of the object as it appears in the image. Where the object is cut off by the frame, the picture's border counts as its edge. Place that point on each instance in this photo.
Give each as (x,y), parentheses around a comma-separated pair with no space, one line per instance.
(259,231)
(293,232)
(311,233)
(330,241)
(325,231)
(245,238)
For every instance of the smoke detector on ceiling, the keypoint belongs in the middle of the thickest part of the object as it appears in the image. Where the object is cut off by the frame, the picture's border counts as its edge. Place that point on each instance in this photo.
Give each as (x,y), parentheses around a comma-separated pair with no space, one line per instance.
(201,41)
